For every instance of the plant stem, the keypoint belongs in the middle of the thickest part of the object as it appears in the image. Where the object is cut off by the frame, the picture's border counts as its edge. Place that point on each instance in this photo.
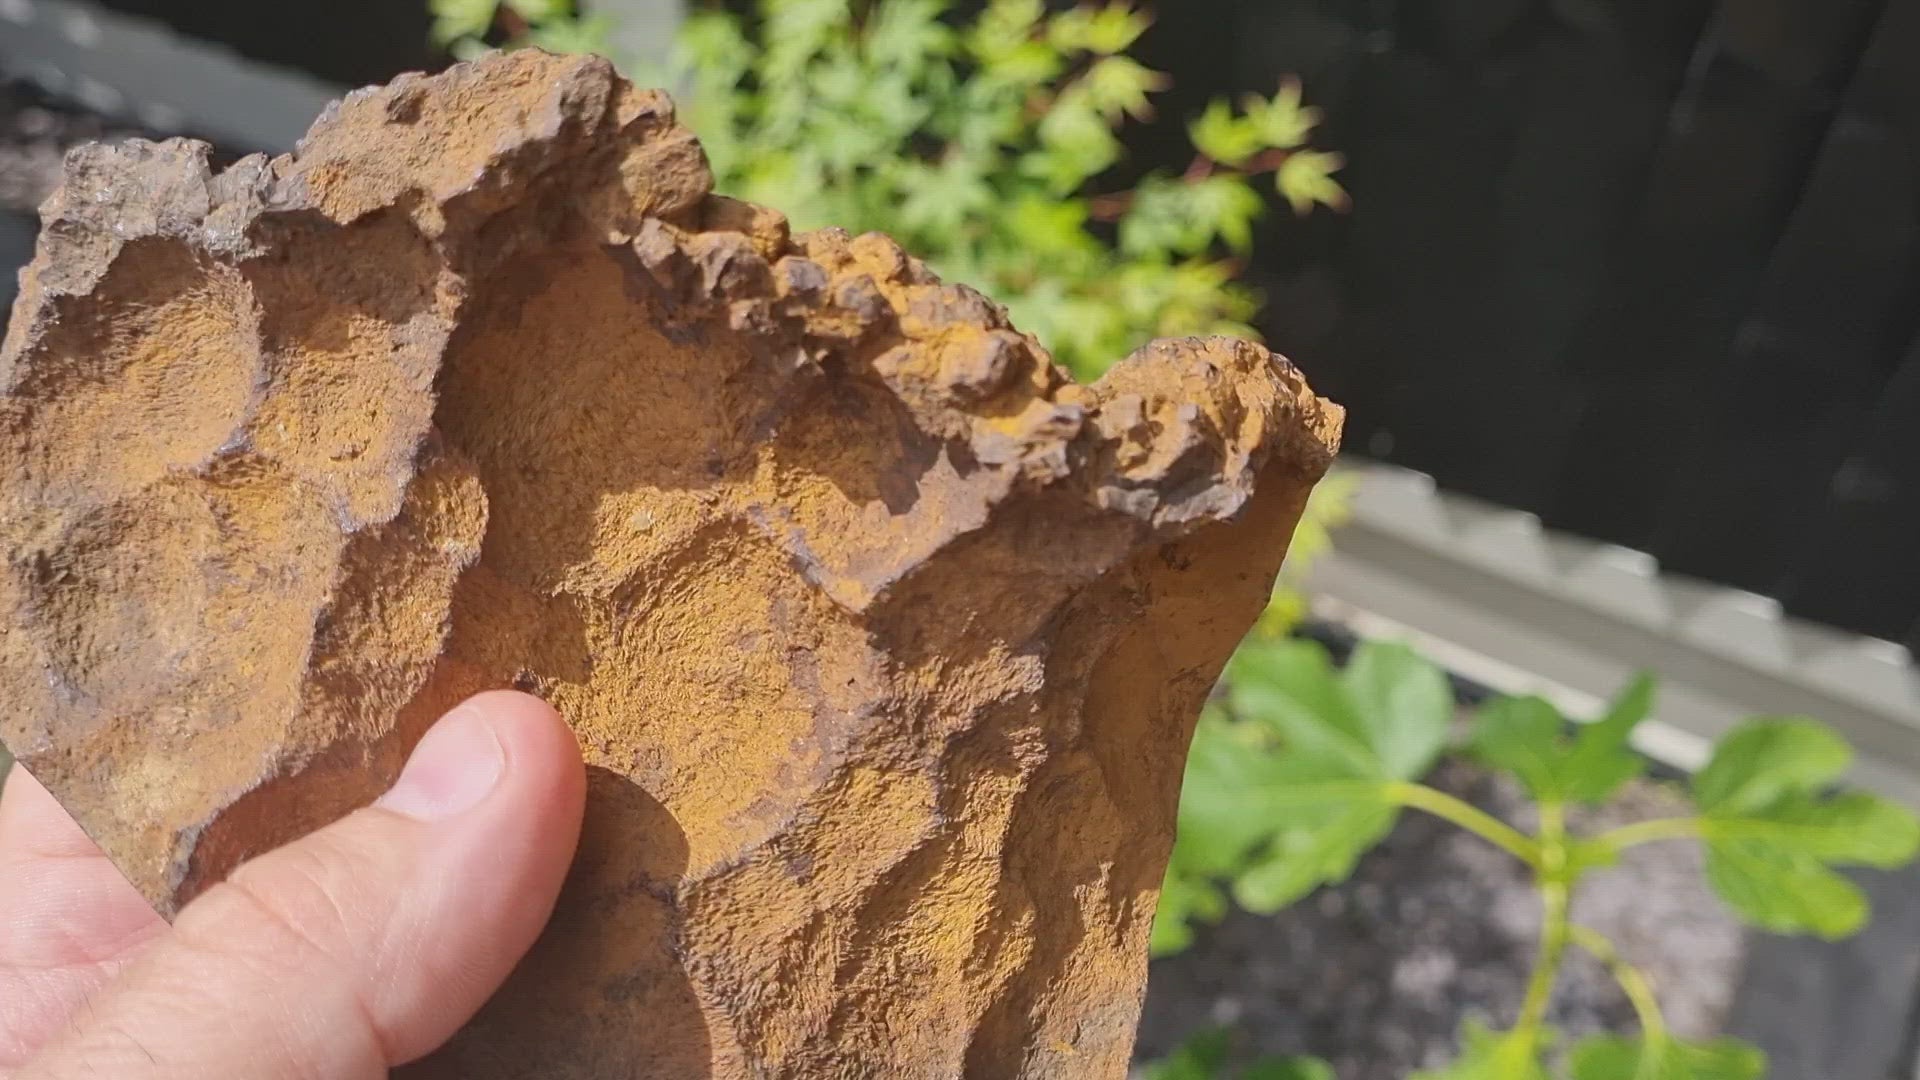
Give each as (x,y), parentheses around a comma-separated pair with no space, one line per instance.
(1633,982)
(1646,832)
(1467,816)
(1555,892)
(1639,990)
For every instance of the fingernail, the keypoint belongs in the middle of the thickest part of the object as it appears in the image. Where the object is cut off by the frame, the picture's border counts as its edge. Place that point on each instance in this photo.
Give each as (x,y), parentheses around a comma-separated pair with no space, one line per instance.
(456,764)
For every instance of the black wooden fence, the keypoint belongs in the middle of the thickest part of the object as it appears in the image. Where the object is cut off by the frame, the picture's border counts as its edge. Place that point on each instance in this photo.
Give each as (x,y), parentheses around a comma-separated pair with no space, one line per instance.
(1649,268)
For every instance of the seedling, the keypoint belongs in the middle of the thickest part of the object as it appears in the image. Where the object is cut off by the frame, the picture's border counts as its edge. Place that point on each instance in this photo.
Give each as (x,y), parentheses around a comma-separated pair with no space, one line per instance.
(1300,769)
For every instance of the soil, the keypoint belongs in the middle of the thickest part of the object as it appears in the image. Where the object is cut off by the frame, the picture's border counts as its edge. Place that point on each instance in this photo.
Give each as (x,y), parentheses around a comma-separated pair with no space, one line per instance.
(1377,974)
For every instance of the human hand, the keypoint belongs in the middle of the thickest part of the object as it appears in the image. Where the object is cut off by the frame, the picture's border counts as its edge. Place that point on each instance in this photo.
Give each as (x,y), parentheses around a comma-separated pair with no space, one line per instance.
(360,947)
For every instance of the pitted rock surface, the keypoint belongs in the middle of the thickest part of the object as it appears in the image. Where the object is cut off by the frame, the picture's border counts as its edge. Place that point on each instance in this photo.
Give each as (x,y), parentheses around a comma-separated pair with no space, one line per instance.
(884,639)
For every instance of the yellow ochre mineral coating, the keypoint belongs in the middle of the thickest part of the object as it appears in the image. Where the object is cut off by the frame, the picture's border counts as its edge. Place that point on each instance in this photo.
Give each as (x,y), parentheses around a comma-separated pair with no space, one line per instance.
(884,639)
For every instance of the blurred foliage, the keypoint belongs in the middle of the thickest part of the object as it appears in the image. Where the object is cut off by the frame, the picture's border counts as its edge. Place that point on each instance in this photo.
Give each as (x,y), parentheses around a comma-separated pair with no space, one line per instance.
(1204,1057)
(980,143)
(1298,769)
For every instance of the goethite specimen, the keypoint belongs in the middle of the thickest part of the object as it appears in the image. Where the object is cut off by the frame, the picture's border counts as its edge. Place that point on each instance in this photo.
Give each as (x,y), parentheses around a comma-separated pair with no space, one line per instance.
(883,637)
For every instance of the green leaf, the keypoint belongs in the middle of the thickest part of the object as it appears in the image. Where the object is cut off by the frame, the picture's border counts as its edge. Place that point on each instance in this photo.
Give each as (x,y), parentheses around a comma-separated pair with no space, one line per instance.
(1315,846)
(1223,136)
(1767,757)
(908,33)
(1385,718)
(1603,756)
(1076,141)
(1230,797)
(1282,820)
(456,19)
(1611,1057)
(1118,86)
(1489,1055)
(1103,31)
(1288,1068)
(1772,832)
(1405,704)
(1281,121)
(1185,217)
(1199,1058)
(1306,178)
(711,42)
(1290,686)
(945,197)
(1528,737)
(1010,52)
(1784,891)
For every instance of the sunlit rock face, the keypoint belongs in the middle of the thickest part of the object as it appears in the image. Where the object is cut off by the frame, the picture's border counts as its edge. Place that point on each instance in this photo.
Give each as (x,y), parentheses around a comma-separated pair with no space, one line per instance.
(883,638)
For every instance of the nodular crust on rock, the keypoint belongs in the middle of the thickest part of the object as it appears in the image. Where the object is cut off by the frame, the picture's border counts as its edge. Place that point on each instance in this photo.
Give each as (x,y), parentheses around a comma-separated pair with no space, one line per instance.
(884,638)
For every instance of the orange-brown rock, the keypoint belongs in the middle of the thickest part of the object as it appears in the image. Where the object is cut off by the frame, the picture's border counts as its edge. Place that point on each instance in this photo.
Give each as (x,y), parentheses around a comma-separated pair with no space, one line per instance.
(884,639)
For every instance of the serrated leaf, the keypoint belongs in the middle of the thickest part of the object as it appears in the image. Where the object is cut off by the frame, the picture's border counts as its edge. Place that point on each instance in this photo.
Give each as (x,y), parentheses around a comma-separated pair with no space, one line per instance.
(1306,179)
(1489,1055)
(1772,832)
(943,198)
(1767,757)
(1603,756)
(907,33)
(1528,737)
(1003,41)
(1281,121)
(1103,31)
(1186,217)
(1076,142)
(1282,822)
(1611,1057)
(1118,86)
(1225,136)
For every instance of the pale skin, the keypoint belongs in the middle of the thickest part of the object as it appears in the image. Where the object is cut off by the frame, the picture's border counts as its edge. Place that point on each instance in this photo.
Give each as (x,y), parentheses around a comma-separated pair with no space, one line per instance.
(358,948)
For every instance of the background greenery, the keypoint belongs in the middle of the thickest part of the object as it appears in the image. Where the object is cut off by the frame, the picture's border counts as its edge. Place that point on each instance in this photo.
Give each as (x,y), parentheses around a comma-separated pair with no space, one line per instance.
(981,144)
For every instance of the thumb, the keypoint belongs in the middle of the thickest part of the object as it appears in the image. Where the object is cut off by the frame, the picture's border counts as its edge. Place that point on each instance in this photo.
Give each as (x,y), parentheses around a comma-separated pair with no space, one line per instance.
(366,944)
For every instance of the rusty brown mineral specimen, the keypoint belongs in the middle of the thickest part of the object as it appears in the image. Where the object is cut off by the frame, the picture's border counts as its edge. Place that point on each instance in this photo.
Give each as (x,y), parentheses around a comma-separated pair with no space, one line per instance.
(884,638)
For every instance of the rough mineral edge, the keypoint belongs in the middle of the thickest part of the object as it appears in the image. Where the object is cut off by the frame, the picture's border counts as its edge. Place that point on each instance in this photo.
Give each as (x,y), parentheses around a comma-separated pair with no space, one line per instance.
(884,638)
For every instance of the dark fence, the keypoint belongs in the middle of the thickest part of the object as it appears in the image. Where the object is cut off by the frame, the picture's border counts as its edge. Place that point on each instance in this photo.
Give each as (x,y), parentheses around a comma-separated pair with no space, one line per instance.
(1648,268)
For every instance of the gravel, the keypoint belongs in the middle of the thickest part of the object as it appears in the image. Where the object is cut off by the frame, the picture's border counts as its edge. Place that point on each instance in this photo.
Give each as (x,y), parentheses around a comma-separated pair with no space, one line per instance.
(1377,974)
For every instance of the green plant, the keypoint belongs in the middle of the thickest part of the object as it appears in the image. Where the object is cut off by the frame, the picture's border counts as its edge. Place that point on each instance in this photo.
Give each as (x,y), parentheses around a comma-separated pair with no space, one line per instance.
(1298,770)
(979,143)
(1204,1056)
(464,27)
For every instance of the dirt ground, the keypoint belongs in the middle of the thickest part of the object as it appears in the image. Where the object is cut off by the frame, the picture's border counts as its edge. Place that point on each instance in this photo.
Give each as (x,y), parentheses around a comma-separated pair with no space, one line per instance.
(1435,926)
